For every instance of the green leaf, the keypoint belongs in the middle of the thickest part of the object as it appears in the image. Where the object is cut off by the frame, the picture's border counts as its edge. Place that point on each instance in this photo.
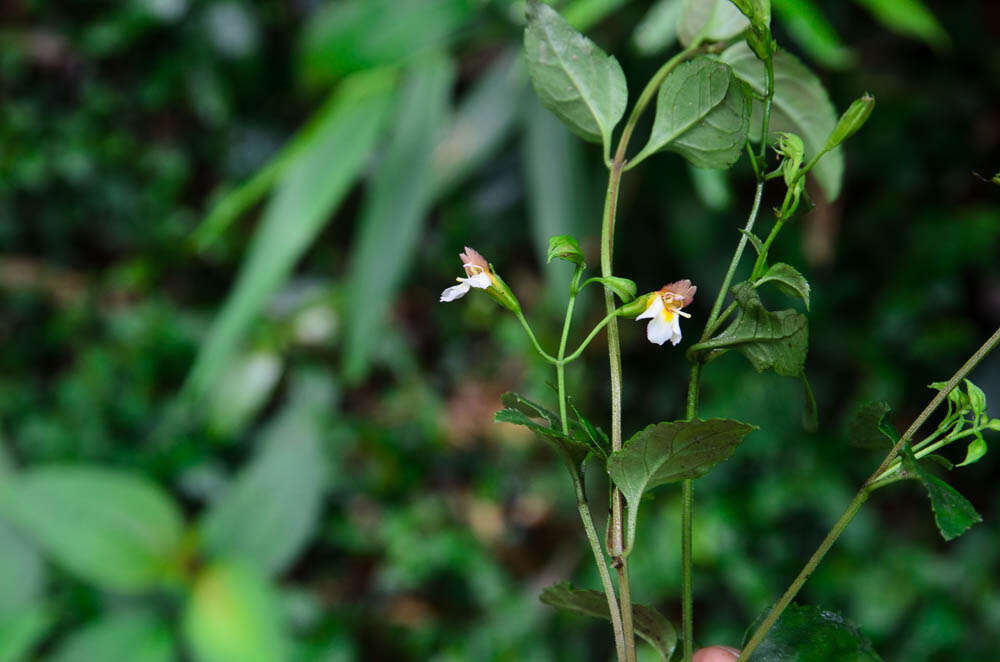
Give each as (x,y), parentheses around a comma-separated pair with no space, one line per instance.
(809,28)
(354,35)
(594,436)
(711,187)
(521,411)
(701,114)
(801,105)
(977,399)
(650,624)
(573,78)
(975,451)
(23,630)
(770,341)
(268,515)
(952,512)
(119,637)
(956,397)
(301,206)
(908,17)
(811,634)
(565,247)
(657,30)
(22,572)
(114,529)
(758,11)
(244,387)
(233,615)
(870,427)
(788,280)
(395,207)
(670,452)
(584,14)
(754,240)
(623,287)
(710,20)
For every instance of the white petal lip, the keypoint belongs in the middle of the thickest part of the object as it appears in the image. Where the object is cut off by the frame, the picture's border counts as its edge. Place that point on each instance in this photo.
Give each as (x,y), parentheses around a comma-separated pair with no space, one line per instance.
(659,330)
(455,292)
(480,280)
(653,310)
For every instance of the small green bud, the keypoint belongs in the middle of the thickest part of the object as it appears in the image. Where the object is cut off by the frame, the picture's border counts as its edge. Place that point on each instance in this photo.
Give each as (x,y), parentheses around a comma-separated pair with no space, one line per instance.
(791,147)
(852,120)
(565,247)
(760,42)
(502,294)
(758,11)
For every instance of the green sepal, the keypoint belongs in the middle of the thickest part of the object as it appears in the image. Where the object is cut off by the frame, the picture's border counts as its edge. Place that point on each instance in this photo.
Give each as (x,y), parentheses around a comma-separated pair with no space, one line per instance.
(636,307)
(565,247)
(500,292)
(953,513)
(811,634)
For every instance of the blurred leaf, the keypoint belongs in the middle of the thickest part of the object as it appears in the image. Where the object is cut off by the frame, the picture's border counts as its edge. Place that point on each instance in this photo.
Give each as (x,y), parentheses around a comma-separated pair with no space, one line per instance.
(23,630)
(396,204)
(670,452)
(787,279)
(114,529)
(573,78)
(119,637)
(6,462)
(242,390)
(565,247)
(810,412)
(233,616)
(908,17)
(711,187)
(623,287)
(22,572)
(953,513)
(801,106)
(268,515)
(701,114)
(870,427)
(584,14)
(554,177)
(484,118)
(813,634)
(650,624)
(302,204)
(711,20)
(657,30)
(975,451)
(813,33)
(353,35)
(777,341)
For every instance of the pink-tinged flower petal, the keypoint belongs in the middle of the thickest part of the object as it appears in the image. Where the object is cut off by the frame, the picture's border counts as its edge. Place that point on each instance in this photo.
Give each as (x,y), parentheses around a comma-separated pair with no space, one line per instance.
(473,262)
(455,292)
(653,308)
(481,281)
(681,289)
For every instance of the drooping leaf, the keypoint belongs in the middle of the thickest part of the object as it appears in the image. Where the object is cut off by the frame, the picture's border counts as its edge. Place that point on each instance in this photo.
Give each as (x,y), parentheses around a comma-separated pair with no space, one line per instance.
(301,205)
(233,615)
(657,30)
(953,513)
(975,451)
(573,78)
(870,427)
(670,452)
(755,241)
(710,20)
(22,631)
(770,341)
(801,105)
(22,572)
(394,210)
(519,411)
(711,187)
(565,247)
(908,17)
(108,527)
(123,636)
(597,440)
(624,288)
(809,633)
(354,35)
(650,624)
(270,512)
(788,280)
(977,398)
(701,114)
(810,30)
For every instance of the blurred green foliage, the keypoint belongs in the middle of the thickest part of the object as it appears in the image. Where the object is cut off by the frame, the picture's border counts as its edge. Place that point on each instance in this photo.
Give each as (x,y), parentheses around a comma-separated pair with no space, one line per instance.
(332,486)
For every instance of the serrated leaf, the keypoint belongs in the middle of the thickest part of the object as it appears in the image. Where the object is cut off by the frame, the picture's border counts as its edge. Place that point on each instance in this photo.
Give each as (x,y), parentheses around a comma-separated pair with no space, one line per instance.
(670,452)
(119,637)
(788,280)
(109,527)
(597,440)
(953,513)
(811,634)
(565,247)
(576,80)
(711,20)
(975,451)
(801,105)
(701,114)
(870,427)
(650,624)
(770,341)
(623,287)
(521,411)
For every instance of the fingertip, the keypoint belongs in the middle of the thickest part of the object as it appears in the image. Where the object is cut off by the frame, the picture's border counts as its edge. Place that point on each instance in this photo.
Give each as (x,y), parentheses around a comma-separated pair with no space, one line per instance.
(716,654)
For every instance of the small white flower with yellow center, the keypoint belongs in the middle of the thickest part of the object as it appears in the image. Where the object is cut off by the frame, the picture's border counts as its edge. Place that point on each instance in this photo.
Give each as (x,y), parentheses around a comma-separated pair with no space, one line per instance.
(663,310)
(477,272)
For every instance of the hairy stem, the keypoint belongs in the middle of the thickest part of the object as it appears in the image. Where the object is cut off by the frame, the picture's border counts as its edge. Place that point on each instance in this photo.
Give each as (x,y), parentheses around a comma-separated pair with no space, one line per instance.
(534,341)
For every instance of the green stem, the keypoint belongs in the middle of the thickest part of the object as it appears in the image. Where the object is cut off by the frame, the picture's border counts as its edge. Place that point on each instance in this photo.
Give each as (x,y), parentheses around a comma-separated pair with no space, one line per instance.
(586,341)
(875,480)
(766,120)
(687,516)
(927,450)
(534,341)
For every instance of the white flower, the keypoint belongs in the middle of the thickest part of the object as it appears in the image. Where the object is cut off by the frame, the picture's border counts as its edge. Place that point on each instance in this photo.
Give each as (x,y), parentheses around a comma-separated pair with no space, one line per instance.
(663,310)
(477,272)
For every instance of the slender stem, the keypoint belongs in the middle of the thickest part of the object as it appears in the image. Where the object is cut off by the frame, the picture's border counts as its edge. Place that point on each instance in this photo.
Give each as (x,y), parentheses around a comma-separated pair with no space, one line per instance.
(586,341)
(768,100)
(687,516)
(927,450)
(875,480)
(534,341)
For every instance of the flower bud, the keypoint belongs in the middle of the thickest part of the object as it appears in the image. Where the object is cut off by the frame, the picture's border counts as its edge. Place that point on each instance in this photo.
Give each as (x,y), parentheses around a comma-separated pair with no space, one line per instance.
(502,294)
(852,120)
(635,307)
